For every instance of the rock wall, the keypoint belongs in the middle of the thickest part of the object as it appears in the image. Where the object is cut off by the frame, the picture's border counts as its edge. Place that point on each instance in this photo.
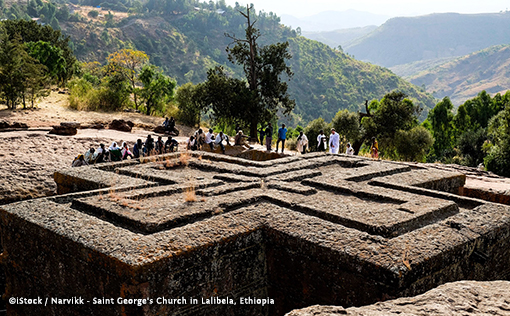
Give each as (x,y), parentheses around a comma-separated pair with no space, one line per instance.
(298,231)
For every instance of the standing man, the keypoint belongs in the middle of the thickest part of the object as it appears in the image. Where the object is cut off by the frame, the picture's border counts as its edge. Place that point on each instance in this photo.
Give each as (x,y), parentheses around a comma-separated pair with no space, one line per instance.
(261,133)
(269,136)
(302,143)
(282,136)
(334,142)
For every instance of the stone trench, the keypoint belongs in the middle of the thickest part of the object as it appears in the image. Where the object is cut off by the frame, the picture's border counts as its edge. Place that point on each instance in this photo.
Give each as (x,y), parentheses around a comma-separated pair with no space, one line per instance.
(296,231)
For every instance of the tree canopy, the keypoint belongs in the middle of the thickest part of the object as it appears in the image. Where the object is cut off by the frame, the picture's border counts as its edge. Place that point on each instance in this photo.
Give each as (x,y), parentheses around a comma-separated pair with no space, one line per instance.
(256,98)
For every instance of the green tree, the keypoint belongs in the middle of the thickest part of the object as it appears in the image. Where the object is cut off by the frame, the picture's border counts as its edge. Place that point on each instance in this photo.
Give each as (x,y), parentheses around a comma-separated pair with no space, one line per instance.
(470,145)
(157,88)
(18,72)
(414,144)
(188,98)
(441,123)
(127,62)
(461,121)
(50,56)
(497,159)
(30,31)
(263,67)
(62,13)
(394,113)
(93,14)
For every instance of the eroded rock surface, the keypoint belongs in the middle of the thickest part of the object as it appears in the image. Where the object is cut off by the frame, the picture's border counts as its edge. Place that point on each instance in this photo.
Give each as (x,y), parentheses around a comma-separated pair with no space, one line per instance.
(451,299)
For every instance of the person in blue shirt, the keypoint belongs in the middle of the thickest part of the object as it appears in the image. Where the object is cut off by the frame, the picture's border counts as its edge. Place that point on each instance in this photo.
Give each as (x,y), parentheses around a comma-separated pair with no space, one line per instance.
(282,136)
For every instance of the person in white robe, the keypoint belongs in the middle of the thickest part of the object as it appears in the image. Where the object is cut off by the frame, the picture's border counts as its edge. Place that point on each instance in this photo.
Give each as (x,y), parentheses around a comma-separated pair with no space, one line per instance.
(349,150)
(302,143)
(334,142)
(321,141)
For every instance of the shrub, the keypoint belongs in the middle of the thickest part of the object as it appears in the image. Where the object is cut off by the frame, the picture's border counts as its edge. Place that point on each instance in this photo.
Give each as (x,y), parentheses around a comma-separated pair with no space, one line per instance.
(414,144)
(93,14)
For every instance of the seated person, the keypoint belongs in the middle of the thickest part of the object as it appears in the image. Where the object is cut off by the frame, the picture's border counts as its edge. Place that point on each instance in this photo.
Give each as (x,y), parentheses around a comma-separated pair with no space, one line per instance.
(115,152)
(349,150)
(149,146)
(100,155)
(125,151)
(240,140)
(160,145)
(89,156)
(199,138)
(171,124)
(171,145)
(209,138)
(165,123)
(79,161)
(192,143)
(138,149)
(219,141)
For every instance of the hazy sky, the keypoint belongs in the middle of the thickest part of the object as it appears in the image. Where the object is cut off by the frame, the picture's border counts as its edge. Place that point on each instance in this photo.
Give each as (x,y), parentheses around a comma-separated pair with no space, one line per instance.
(301,8)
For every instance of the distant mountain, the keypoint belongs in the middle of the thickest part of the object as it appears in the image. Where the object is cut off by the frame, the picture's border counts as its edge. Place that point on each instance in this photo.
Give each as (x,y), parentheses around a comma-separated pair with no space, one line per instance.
(405,40)
(334,20)
(343,37)
(465,77)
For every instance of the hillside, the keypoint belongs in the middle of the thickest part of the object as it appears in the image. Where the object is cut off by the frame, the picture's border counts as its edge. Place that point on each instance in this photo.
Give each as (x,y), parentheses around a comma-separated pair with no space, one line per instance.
(186,45)
(342,37)
(465,77)
(405,40)
(186,38)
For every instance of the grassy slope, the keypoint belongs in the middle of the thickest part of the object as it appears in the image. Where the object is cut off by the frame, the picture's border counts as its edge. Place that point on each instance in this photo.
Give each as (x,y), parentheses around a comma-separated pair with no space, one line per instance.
(465,77)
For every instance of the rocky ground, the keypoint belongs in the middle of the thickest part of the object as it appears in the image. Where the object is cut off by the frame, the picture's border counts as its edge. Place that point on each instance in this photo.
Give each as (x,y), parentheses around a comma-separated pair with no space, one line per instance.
(28,158)
(451,299)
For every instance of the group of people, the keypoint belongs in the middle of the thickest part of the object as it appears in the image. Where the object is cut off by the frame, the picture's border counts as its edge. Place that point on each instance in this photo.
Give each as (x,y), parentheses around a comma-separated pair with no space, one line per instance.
(116,153)
(323,143)
(200,139)
(334,144)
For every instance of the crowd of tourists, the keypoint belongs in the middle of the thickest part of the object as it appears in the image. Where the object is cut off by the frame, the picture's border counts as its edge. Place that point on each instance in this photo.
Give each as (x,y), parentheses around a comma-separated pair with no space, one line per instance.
(116,153)
(199,140)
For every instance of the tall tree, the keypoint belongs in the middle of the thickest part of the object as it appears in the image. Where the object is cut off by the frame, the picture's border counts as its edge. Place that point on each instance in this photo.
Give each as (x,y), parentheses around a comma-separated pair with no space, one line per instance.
(128,62)
(263,67)
(30,31)
(18,72)
(157,88)
(441,121)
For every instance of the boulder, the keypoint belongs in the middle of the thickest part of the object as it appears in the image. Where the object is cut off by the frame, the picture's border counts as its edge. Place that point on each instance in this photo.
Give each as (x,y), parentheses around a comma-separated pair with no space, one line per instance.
(71,124)
(5,124)
(161,130)
(63,130)
(121,125)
